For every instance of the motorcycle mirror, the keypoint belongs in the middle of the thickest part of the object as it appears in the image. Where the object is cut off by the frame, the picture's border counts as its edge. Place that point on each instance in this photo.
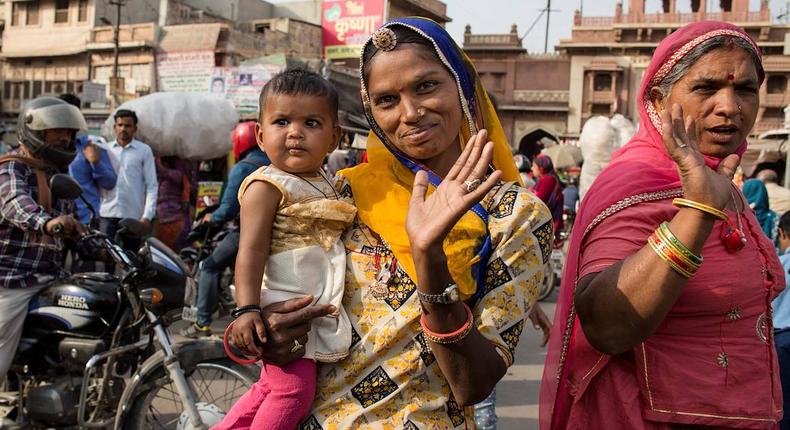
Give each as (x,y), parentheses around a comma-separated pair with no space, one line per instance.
(133,226)
(64,187)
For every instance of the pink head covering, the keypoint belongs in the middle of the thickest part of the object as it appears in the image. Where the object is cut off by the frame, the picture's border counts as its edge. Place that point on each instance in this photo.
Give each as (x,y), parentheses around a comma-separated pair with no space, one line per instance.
(616,187)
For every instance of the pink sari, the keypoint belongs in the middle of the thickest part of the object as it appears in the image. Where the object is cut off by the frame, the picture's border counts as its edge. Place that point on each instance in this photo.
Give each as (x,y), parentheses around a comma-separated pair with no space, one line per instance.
(711,362)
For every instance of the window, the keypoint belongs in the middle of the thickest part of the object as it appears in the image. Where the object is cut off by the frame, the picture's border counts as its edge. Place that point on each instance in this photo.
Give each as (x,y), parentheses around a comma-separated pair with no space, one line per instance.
(773,114)
(776,84)
(36,89)
(7,90)
(602,82)
(32,13)
(61,11)
(16,10)
(82,11)
(498,81)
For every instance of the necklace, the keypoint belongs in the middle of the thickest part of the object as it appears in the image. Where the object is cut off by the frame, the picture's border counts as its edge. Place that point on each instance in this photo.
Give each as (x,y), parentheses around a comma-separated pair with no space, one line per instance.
(731,235)
(321,174)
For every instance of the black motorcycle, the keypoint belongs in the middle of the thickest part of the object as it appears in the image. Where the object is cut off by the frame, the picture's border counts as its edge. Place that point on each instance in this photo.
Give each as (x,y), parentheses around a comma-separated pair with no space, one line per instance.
(96,351)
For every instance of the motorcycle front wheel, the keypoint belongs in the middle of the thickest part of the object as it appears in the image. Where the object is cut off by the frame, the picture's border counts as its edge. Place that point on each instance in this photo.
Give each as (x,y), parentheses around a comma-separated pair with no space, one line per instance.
(217,385)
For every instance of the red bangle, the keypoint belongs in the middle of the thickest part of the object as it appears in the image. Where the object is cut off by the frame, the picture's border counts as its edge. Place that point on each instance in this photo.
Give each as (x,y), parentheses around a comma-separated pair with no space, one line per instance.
(229,350)
(453,337)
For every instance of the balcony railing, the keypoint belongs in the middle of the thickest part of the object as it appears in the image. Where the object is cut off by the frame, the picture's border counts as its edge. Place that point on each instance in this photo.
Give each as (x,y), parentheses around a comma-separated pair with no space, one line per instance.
(127,33)
(492,39)
(774,100)
(671,18)
(603,96)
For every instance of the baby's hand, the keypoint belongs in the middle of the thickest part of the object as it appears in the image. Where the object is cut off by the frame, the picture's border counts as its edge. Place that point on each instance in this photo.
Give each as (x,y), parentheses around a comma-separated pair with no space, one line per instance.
(249,334)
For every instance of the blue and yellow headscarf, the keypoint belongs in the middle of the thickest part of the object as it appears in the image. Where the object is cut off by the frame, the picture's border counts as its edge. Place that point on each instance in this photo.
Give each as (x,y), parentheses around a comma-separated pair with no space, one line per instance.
(382,187)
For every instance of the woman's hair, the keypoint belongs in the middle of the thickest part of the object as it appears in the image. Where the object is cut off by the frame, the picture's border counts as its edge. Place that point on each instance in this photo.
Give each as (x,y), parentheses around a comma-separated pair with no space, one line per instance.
(683,66)
(300,82)
(545,164)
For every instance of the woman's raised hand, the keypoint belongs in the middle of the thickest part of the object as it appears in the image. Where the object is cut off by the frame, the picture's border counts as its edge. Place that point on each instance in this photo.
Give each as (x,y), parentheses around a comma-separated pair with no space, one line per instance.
(700,183)
(430,219)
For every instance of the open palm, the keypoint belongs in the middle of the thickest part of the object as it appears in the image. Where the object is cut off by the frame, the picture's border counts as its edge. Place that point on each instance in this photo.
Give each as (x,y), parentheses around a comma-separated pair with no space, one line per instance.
(700,182)
(430,218)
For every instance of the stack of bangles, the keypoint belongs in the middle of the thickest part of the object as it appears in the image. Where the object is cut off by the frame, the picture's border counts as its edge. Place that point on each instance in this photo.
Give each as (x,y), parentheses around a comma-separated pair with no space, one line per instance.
(673,252)
(453,337)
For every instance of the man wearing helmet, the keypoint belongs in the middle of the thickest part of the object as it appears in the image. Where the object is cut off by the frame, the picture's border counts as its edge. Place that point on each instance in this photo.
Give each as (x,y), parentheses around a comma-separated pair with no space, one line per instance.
(32,226)
(249,158)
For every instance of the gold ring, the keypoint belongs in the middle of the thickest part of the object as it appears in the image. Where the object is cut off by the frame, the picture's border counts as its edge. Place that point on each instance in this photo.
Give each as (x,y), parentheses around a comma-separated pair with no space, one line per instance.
(297,346)
(472,184)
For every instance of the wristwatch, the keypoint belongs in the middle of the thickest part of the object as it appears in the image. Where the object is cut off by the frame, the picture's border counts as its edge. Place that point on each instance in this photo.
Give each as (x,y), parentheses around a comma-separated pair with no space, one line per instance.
(450,295)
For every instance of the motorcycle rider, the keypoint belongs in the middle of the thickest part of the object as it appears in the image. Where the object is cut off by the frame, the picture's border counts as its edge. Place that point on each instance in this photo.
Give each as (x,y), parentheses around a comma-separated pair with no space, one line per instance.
(32,225)
(249,158)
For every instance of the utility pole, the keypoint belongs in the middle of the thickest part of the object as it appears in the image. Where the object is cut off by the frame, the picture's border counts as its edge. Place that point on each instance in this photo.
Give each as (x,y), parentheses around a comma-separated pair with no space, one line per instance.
(116,38)
(548,16)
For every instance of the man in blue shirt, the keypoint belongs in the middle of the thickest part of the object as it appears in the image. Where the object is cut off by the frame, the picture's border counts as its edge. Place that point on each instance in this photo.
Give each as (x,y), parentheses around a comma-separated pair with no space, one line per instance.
(781,319)
(136,189)
(91,168)
(245,148)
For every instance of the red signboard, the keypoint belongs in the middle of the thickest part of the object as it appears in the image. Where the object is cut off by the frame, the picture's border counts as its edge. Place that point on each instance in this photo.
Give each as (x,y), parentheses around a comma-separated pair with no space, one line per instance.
(347,24)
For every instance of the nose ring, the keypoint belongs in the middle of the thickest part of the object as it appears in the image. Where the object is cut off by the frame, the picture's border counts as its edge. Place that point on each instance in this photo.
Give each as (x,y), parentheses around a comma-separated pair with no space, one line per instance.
(739,108)
(420,112)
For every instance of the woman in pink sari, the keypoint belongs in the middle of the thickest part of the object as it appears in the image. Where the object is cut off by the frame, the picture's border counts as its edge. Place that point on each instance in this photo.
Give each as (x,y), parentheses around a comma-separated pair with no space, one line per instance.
(647,334)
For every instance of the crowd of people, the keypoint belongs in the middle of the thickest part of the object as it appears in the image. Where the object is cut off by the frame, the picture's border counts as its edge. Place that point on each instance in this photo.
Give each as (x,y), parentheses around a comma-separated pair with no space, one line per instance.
(394,293)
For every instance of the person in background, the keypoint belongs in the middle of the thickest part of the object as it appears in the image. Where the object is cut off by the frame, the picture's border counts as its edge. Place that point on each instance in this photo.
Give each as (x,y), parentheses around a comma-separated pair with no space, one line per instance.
(172,201)
(549,188)
(523,164)
(91,168)
(136,190)
(250,157)
(781,319)
(778,196)
(757,197)
(32,227)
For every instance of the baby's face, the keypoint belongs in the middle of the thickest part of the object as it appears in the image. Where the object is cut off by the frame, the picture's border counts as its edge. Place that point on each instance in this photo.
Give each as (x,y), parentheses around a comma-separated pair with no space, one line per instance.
(297,132)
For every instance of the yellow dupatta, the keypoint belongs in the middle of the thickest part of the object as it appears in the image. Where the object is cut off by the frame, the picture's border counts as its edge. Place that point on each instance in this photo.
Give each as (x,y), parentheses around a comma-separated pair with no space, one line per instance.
(382,187)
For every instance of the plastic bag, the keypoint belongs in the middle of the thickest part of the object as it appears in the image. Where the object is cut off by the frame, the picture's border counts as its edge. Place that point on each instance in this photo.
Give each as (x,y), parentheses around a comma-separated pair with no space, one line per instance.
(598,140)
(192,126)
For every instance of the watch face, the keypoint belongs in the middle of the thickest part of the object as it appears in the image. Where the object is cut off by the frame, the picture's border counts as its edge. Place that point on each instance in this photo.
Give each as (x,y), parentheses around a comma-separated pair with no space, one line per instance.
(453,294)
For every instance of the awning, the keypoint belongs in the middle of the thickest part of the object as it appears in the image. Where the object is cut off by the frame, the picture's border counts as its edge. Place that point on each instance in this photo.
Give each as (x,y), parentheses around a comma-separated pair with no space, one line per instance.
(190,37)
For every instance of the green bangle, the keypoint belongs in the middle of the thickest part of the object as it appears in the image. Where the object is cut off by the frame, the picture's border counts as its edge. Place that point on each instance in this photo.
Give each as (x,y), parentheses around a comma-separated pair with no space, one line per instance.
(666,234)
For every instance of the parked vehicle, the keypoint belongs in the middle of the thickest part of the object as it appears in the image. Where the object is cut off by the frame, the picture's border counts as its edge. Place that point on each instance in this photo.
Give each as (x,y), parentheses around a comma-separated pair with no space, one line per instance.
(96,351)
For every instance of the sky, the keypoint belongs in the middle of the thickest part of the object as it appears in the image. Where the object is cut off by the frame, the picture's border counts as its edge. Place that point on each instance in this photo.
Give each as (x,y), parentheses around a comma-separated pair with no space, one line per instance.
(496,16)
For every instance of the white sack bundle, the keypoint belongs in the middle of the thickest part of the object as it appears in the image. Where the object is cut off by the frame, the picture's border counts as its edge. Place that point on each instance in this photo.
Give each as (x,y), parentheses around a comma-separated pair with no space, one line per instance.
(193,126)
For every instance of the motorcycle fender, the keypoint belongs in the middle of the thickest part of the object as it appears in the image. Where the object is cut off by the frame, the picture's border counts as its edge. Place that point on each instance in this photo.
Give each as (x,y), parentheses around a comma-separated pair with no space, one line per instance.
(188,353)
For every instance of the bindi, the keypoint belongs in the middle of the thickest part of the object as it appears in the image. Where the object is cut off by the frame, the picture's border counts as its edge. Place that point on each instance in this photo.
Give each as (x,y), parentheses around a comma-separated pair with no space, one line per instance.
(730,77)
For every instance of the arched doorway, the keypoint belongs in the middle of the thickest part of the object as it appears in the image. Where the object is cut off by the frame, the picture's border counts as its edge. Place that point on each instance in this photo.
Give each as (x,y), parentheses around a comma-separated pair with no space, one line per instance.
(532,142)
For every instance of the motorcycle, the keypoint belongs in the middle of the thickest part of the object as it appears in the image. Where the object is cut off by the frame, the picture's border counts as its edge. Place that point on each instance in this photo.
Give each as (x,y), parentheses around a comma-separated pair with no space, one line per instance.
(202,240)
(96,351)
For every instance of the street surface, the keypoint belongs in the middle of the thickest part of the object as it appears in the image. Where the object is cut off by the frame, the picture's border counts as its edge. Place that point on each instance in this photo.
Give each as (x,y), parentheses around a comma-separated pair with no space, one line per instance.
(518,391)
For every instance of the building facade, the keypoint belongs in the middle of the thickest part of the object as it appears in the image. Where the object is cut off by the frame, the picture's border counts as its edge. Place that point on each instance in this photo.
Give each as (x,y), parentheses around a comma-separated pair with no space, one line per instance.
(51,47)
(531,91)
(609,55)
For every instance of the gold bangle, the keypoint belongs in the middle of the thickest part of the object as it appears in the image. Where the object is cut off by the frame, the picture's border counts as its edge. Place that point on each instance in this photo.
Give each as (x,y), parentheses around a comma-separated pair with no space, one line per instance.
(710,210)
